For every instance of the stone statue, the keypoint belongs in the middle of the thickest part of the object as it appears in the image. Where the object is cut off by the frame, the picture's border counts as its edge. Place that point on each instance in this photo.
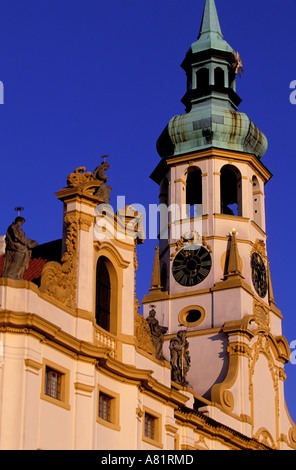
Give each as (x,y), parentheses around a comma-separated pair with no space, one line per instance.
(17,250)
(99,174)
(157,333)
(180,358)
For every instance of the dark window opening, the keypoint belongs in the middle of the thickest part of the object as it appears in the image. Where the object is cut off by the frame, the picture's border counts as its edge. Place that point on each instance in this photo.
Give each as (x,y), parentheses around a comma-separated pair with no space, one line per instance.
(219,78)
(193,191)
(231,203)
(193,316)
(53,383)
(164,192)
(202,79)
(163,280)
(105,407)
(103,291)
(149,430)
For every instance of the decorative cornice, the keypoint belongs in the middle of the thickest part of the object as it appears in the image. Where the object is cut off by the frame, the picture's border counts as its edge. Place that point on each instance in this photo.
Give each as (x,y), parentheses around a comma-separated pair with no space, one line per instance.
(211,153)
(47,332)
(217,431)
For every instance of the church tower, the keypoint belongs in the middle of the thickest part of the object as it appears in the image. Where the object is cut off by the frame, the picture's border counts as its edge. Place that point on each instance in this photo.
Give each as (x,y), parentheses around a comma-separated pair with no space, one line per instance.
(211,274)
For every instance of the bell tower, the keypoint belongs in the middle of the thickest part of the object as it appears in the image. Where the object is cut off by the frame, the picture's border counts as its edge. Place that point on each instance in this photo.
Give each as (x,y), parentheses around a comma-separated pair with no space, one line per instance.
(212,264)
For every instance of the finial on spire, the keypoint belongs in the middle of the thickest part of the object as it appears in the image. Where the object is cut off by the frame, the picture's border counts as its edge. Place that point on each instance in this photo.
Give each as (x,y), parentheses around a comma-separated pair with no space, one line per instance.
(210,21)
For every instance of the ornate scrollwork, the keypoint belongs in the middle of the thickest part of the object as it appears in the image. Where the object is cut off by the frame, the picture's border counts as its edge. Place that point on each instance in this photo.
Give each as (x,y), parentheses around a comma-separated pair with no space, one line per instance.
(261,313)
(259,247)
(59,280)
(191,238)
(79,177)
(142,334)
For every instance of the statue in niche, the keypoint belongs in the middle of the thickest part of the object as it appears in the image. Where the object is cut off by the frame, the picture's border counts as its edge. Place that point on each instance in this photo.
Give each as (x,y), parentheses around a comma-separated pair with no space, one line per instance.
(17,250)
(180,358)
(157,333)
(99,174)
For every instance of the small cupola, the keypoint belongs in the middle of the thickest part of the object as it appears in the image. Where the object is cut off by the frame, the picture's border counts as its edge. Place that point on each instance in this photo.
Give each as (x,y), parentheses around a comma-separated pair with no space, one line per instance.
(210,65)
(211,118)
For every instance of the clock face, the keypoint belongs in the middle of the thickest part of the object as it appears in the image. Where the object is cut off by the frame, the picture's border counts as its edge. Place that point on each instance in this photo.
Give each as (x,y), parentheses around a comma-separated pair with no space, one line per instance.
(259,276)
(191,266)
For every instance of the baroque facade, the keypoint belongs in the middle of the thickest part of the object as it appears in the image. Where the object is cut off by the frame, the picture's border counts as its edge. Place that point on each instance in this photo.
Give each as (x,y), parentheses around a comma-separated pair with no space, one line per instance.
(203,368)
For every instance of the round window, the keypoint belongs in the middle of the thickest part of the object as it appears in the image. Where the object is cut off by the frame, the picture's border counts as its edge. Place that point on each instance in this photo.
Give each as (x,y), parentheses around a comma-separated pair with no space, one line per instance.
(192,315)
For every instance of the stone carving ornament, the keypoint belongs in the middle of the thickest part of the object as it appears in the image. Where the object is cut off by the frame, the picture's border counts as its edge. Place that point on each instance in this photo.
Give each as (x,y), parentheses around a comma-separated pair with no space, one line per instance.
(60,280)
(81,177)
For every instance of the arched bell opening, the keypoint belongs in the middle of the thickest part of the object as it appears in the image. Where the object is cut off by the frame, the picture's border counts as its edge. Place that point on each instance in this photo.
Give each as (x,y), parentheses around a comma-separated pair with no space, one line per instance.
(257,201)
(193,191)
(231,191)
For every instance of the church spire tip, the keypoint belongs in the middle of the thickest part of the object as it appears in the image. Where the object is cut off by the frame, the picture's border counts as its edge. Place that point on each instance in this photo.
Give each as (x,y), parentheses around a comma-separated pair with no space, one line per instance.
(210,21)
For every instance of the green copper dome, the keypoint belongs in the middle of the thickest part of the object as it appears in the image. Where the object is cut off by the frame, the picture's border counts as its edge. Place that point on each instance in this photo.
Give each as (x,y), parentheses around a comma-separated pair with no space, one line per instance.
(219,128)
(211,118)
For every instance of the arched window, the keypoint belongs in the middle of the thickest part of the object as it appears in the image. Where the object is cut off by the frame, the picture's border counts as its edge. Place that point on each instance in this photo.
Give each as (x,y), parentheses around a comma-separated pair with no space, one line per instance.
(163,276)
(164,192)
(189,81)
(257,197)
(219,78)
(231,191)
(103,294)
(193,191)
(202,79)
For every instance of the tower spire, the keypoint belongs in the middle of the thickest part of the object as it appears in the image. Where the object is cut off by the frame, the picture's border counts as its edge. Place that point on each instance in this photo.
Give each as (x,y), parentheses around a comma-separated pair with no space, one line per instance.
(210,22)
(155,281)
(234,269)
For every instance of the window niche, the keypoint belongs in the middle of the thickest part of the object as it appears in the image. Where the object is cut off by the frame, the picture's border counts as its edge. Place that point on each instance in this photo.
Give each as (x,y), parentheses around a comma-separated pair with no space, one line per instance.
(202,79)
(103,294)
(106,295)
(164,192)
(257,201)
(55,384)
(164,278)
(193,191)
(231,191)
(108,408)
(219,78)
(152,428)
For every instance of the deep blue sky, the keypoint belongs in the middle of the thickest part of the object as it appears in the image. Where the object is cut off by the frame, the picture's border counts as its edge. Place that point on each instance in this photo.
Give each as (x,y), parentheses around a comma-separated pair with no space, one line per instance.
(83,78)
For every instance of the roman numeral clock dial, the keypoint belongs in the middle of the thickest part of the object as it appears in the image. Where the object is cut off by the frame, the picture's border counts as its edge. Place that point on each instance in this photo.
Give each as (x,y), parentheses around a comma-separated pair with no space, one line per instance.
(191,265)
(259,276)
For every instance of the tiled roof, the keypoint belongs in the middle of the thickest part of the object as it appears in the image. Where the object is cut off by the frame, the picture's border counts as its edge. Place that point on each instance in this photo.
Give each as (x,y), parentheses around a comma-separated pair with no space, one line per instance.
(34,270)
(50,251)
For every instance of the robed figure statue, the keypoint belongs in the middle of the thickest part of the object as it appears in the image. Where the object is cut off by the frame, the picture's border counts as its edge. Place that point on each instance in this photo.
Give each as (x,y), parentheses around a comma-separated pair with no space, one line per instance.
(17,250)
(180,358)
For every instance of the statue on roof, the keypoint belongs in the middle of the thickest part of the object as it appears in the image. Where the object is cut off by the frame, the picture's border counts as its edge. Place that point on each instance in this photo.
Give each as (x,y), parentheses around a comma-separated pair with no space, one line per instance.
(18,250)
(99,174)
